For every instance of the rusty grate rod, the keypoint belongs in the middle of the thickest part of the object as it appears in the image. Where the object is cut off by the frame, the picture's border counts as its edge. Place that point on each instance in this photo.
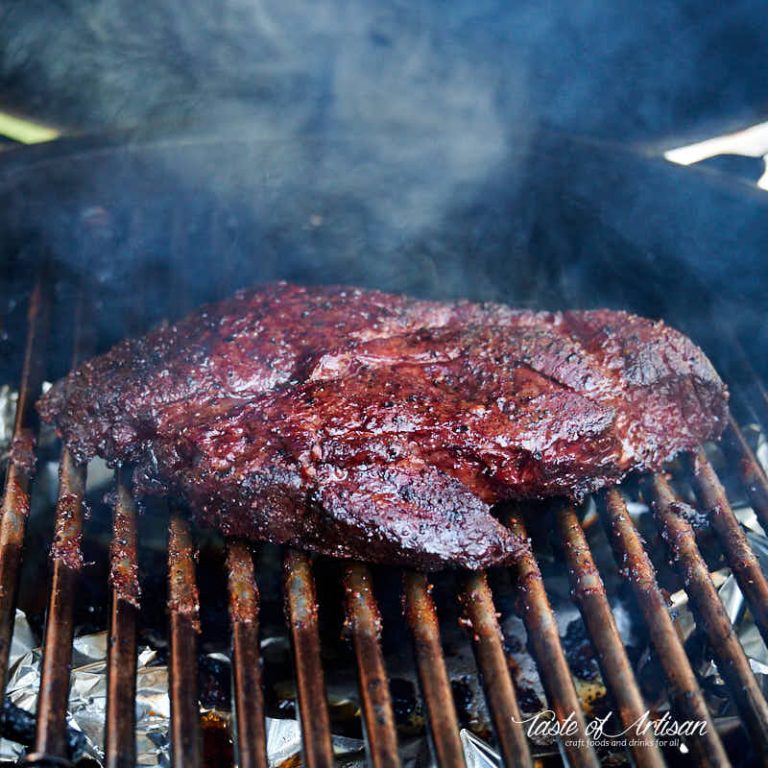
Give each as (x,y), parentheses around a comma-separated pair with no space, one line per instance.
(15,506)
(732,662)
(363,622)
(547,651)
(752,475)
(477,601)
(67,557)
(244,603)
(120,739)
(301,610)
(637,570)
(50,736)
(741,559)
(421,615)
(184,607)
(125,605)
(588,592)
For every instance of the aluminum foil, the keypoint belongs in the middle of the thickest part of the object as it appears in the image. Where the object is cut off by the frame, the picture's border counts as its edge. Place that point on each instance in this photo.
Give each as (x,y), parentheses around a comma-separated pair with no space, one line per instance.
(477,753)
(8,398)
(87,699)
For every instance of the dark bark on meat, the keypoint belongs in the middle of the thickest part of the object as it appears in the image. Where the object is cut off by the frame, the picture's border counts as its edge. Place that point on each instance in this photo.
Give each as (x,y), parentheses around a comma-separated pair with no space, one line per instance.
(366,425)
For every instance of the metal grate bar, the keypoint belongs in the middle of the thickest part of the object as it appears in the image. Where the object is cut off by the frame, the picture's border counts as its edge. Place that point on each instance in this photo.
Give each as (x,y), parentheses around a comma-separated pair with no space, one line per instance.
(477,599)
(752,474)
(244,602)
(363,621)
(125,598)
(15,506)
(710,613)
(301,606)
(589,594)
(67,557)
(636,568)
(120,738)
(183,606)
(421,615)
(547,651)
(740,557)
(50,737)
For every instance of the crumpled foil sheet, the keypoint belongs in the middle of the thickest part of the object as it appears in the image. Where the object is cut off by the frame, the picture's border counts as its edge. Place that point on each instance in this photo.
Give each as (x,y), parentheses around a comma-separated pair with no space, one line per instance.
(477,753)
(8,399)
(87,699)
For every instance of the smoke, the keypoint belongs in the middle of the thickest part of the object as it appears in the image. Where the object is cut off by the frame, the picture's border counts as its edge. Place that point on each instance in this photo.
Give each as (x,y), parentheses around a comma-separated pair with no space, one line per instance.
(618,70)
(441,94)
(382,144)
(406,92)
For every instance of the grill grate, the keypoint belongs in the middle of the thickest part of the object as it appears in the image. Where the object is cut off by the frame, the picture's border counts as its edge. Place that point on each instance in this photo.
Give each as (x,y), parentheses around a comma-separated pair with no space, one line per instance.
(481,612)
(364,624)
(120,749)
(244,616)
(589,594)
(299,587)
(546,649)
(710,613)
(363,620)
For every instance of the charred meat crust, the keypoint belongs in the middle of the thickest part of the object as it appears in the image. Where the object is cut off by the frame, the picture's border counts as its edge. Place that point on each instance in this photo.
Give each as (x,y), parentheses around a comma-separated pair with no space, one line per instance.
(362,424)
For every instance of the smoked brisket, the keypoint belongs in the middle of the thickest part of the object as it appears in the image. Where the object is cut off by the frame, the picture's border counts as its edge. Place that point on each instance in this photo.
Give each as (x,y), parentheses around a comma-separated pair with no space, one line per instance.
(367,425)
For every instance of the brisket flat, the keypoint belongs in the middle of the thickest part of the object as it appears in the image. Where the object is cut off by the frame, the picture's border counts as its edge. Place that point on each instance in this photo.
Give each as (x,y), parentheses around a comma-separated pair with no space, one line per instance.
(361,424)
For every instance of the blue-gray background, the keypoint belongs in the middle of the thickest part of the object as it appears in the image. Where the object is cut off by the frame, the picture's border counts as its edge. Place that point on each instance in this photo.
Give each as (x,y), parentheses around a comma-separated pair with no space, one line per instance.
(620,70)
